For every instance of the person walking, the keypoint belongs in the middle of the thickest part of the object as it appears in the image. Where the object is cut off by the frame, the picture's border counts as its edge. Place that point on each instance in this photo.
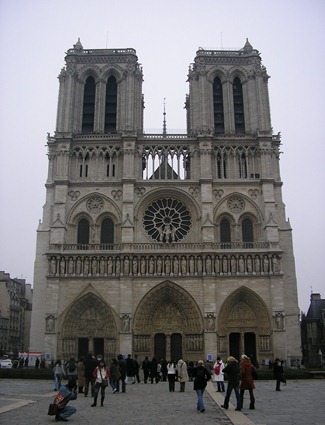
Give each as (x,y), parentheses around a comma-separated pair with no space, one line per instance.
(202,376)
(122,369)
(182,375)
(171,375)
(232,373)
(278,372)
(154,370)
(114,375)
(58,372)
(146,369)
(136,369)
(130,369)
(81,375)
(247,382)
(65,394)
(218,375)
(101,375)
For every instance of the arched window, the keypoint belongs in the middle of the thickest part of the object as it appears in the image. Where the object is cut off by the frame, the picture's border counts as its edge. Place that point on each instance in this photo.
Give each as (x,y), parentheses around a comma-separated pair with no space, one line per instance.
(238,106)
(247,232)
(83,232)
(111,105)
(107,232)
(242,164)
(221,166)
(219,126)
(88,114)
(225,234)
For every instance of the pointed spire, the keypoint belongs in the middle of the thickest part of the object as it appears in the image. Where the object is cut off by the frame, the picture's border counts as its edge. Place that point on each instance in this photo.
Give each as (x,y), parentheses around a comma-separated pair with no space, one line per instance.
(164,122)
(248,47)
(78,45)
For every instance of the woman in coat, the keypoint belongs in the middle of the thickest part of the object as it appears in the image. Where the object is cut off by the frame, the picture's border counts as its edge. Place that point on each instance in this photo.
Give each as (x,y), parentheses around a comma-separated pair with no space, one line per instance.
(218,375)
(171,375)
(182,374)
(278,373)
(247,382)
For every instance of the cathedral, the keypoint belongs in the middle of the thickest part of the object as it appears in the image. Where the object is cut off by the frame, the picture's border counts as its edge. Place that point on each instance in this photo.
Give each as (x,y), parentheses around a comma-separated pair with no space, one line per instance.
(165,245)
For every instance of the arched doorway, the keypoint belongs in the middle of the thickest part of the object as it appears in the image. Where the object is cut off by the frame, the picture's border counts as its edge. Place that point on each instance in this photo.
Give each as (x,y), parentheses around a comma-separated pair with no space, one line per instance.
(242,323)
(88,326)
(168,324)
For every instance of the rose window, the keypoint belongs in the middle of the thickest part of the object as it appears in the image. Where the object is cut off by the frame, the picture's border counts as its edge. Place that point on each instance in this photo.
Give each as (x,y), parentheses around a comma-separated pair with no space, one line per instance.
(167,220)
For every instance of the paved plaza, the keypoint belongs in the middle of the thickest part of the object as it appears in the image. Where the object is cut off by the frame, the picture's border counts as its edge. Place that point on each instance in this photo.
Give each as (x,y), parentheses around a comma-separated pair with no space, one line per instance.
(25,402)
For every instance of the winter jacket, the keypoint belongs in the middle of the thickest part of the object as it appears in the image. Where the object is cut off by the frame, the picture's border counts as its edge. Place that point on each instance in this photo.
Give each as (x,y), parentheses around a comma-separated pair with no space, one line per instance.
(247,382)
(232,373)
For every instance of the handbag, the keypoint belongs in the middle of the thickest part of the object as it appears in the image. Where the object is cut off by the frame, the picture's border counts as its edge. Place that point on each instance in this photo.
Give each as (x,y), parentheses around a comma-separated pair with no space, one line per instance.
(53,409)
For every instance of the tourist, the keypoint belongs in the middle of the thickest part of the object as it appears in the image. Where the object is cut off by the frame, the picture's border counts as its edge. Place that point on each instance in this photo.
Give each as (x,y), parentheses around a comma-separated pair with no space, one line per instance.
(218,375)
(182,375)
(202,376)
(247,382)
(171,375)
(101,375)
(232,373)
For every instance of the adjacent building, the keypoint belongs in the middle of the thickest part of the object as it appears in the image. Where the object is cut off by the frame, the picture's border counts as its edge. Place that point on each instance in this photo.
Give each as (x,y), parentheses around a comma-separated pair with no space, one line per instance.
(313,332)
(166,245)
(15,314)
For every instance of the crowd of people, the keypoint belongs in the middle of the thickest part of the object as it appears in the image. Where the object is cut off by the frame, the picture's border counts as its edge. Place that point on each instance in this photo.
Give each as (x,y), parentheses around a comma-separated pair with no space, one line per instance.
(91,376)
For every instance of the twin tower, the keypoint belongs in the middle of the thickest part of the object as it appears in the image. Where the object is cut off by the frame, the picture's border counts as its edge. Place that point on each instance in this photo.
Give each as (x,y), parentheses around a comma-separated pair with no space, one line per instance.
(166,245)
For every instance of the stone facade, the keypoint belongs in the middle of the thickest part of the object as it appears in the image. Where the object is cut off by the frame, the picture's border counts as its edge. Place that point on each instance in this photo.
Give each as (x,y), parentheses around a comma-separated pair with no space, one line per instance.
(164,244)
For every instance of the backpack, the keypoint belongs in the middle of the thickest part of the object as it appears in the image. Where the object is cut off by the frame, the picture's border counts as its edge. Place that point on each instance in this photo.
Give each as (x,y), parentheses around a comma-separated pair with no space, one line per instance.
(217,369)
(72,367)
(254,373)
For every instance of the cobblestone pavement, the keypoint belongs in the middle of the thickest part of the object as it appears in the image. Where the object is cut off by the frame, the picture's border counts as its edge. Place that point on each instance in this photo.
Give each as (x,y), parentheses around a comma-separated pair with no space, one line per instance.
(25,402)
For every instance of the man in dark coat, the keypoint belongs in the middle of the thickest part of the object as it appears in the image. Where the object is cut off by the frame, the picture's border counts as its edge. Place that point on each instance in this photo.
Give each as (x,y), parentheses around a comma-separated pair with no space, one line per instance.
(232,373)
(90,365)
(122,369)
(146,369)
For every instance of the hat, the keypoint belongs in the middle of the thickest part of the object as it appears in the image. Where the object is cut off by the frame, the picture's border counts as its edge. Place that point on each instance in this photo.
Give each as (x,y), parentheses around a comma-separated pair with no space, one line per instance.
(200,362)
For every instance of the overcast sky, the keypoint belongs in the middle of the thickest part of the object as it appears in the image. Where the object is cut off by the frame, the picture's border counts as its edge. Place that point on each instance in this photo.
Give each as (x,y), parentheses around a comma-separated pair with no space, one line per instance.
(290,35)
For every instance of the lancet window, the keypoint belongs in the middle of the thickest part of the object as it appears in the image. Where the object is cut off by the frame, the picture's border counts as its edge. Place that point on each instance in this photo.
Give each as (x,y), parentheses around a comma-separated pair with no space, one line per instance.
(107,231)
(218,106)
(225,233)
(247,231)
(238,106)
(88,114)
(111,105)
(83,232)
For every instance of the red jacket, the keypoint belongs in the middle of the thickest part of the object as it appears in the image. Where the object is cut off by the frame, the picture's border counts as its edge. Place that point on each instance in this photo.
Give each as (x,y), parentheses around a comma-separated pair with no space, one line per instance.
(247,382)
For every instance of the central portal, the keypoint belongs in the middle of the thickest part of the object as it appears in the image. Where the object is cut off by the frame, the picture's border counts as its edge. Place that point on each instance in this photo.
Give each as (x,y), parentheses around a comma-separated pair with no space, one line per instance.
(168,324)
(168,347)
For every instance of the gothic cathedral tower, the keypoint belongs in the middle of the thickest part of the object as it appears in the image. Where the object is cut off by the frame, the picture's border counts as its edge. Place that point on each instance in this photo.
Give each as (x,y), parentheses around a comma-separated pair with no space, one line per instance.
(166,245)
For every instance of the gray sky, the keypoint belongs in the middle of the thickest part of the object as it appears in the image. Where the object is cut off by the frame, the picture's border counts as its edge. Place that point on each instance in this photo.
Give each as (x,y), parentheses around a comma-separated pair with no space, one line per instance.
(34,35)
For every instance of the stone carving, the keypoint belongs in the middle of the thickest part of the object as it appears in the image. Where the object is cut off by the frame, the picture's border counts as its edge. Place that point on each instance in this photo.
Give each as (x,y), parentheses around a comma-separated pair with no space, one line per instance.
(125,321)
(236,204)
(50,323)
(210,322)
(116,194)
(166,265)
(95,204)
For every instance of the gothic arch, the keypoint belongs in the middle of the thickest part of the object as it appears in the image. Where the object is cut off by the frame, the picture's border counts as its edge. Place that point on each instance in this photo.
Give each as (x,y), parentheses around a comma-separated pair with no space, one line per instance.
(250,207)
(89,316)
(220,72)
(168,308)
(87,71)
(244,309)
(80,206)
(109,71)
